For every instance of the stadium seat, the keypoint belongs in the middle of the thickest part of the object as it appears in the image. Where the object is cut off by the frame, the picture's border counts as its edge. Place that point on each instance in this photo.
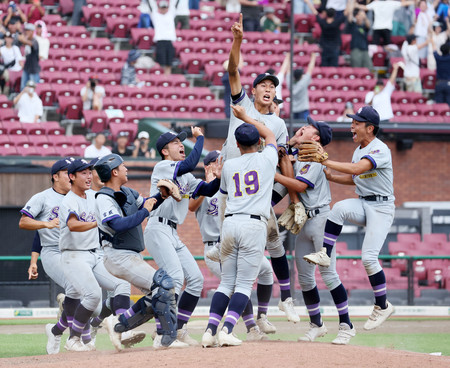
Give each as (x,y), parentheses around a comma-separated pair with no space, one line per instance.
(142,38)
(8,114)
(53,128)
(40,140)
(70,107)
(95,121)
(131,128)
(93,16)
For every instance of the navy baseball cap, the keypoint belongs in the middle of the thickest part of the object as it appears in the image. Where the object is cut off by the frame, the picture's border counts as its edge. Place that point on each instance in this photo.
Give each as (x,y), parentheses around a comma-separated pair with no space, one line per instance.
(324,129)
(77,165)
(94,161)
(211,157)
(265,76)
(366,114)
(62,164)
(167,138)
(277,100)
(247,134)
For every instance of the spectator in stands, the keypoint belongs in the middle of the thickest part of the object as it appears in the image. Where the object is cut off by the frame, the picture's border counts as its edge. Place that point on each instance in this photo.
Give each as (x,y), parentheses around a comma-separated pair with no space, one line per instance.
(383,12)
(270,22)
(92,94)
(359,27)
(403,20)
(442,91)
(36,12)
(349,109)
(31,67)
(41,35)
(422,28)
(14,15)
(77,12)
(440,37)
(97,148)
(128,73)
(411,72)
(141,148)
(380,98)
(330,39)
(121,147)
(144,19)
(163,19)
(338,6)
(284,69)
(11,56)
(182,15)
(442,12)
(251,13)
(300,100)
(15,28)
(28,104)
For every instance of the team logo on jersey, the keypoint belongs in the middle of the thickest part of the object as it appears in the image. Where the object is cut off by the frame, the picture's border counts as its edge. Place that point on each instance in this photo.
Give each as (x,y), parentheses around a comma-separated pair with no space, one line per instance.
(305,169)
(373,152)
(87,217)
(368,176)
(54,213)
(213,208)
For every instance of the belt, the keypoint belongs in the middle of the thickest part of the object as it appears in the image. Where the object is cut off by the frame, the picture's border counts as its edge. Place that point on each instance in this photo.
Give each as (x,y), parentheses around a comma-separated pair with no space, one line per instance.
(312,213)
(374,198)
(256,217)
(210,243)
(92,250)
(167,222)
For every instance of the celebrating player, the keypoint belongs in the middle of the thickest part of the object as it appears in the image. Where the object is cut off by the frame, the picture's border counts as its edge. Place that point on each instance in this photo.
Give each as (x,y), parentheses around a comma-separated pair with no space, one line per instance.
(310,185)
(371,172)
(160,235)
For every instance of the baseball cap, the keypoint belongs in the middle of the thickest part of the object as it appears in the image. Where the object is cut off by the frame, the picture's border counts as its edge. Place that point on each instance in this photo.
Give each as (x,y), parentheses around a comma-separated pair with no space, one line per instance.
(94,161)
(265,76)
(247,134)
(324,129)
(123,134)
(8,34)
(366,114)
(62,164)
(410,38)
(144,135)
(29,27)
(211,157)
(163,4)
(167,138)
(31,84)
(77,165)
(269,10)
(277,100)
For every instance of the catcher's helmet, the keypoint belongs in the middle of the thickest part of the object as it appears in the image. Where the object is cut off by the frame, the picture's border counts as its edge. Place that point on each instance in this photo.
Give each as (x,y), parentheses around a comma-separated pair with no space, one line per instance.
(106,164)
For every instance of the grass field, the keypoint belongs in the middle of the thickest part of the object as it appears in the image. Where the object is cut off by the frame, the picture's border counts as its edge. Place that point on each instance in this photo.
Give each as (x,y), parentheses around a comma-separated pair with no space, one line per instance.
(26,337)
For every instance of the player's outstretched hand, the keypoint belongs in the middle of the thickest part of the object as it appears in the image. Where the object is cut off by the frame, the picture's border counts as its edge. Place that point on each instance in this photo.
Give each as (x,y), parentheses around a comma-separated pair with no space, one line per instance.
(327,172)
(238,29)
(53,223)
(33,272)
(149,203)
(239,112)
(196,131)
(217,170)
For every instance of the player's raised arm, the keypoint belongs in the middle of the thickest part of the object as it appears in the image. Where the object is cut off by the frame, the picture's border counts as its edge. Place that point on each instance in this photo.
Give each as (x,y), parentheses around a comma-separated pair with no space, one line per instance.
(264,131)
(235,53)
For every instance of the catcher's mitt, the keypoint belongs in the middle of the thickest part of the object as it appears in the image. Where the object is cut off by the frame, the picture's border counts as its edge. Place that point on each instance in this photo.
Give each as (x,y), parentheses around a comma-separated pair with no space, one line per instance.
(311,151)
(169,188)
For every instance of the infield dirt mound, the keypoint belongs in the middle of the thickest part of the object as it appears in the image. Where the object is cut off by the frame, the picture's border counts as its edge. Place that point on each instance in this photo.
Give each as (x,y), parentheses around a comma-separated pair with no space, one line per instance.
(269,354)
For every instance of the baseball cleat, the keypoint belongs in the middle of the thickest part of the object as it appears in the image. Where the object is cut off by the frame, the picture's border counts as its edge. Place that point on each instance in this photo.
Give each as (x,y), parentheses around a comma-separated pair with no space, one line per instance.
(53,341)
(314,332)
(74,344)
(176,344)
(378,316)
(265,325)
(319,258)
(344,335)
(288,307)
(94,331)
(130,338)
(228,339)
(208,340)
(214,253)
(183,336)
(60,300)
(91,345)
(255,334)
(114,336)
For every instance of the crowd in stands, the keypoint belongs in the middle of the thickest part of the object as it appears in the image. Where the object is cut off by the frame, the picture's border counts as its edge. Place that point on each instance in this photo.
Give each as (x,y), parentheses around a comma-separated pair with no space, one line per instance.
(411,38)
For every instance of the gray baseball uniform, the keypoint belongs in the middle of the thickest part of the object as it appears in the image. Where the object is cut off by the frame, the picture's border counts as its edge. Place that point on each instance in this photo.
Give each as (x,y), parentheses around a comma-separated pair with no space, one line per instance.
(45,206)
(248,181)
(81,254)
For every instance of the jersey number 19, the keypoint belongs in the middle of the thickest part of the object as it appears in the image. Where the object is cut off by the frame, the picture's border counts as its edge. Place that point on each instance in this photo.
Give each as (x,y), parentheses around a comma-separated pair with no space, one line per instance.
(251,183)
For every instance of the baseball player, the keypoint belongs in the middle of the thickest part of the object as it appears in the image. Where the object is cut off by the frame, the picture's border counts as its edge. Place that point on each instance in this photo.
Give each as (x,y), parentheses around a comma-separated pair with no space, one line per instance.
(310,185)
(206,212)
(160,235)
(371,172)
(83,265)
(41,213)
(247,181)
(263,90)
(120,212)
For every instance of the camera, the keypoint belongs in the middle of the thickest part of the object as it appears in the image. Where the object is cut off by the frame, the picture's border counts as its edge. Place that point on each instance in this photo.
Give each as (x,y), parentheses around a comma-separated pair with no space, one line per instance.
(93,83)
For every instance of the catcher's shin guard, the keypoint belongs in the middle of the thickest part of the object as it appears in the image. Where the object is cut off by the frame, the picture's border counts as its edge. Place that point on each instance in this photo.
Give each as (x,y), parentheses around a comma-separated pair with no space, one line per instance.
(164,306)
(145,314)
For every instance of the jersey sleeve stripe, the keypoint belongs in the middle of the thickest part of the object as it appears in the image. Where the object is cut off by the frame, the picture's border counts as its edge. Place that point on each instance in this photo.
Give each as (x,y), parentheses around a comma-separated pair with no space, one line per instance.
(175,172)
(27,213)
(222,191)
(271,145)
(194,195)
(371,160)
(72,213)
(305,181)
(240,98)
(110,218)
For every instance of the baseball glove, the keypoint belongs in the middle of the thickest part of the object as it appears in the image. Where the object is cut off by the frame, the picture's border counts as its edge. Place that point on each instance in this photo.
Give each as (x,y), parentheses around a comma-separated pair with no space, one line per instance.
(311,151)
(300,218)
(168,188)
(287,217)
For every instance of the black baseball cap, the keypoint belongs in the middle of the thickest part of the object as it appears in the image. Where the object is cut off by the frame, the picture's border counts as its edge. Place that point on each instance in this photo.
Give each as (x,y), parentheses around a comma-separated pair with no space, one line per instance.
(167,138)
(325,132)
(277,100)
(366,114)
(77,165)
(211,157)
(62,164)
(246,134)
(265,76)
